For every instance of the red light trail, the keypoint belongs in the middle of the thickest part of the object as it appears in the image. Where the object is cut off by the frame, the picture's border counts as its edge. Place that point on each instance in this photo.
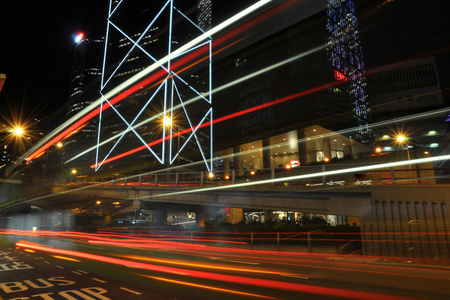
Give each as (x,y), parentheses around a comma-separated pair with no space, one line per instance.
(296,287)
(154,78)
(222,119)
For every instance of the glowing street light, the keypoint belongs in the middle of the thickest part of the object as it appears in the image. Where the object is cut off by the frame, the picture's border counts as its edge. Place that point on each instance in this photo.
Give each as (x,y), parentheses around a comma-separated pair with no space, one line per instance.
(401,139)
(167,121)
(18,131)
(59,145)
(74,171)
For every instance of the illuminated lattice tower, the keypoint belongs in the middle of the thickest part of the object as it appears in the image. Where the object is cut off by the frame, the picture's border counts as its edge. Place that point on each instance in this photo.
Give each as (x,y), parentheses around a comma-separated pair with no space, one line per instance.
(153,71)
(345,55)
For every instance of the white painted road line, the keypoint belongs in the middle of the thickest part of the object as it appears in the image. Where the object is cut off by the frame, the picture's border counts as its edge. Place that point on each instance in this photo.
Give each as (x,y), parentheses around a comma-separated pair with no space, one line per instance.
(234,261)
(78,273)
(59,267)
(295,276)
(99,280)
(81,271)
(131,291)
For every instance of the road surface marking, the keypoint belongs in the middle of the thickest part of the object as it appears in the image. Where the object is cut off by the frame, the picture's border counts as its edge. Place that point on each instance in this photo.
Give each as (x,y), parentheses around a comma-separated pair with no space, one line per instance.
(131,291)
(78,273)
(99,280)
(81,271)
(59,267)
(295,276)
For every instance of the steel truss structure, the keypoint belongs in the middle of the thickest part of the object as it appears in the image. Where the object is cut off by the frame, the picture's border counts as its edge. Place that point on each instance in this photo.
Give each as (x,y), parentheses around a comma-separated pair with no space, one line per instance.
(171,87)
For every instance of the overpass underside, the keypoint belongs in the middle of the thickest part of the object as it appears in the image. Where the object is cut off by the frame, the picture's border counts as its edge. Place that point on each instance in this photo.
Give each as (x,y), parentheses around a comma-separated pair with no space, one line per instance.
(396,221)
(409,221)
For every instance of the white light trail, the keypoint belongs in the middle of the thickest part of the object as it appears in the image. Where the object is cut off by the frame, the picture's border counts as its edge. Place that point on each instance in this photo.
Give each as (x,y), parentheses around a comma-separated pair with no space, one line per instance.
(261,182)
(202,97)
(244,13)
(312,175)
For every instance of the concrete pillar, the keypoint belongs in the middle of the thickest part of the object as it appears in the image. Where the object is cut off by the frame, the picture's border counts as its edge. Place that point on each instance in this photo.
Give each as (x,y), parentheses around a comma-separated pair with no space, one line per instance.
(302,149)
(269,215)
(204,214)
(160,216)
(108,219)
(348,151)
(236,215)
(326,147)
(236,158)
(266,154)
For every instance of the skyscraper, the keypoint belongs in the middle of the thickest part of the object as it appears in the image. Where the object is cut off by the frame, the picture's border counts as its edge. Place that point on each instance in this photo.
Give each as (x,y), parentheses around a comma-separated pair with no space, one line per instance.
(345,55)
(83,90)
(86,74)
(204,14)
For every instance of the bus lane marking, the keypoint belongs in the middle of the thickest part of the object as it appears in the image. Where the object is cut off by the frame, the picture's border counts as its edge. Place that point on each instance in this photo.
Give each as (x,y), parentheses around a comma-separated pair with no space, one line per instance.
(130,291)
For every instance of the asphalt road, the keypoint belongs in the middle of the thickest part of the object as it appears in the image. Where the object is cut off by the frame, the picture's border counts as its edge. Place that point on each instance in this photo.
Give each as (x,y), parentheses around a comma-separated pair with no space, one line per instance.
(25,275)
(120,267)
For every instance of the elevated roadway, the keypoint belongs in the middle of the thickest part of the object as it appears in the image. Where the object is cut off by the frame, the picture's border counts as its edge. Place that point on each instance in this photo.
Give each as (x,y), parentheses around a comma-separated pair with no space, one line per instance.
(419,214)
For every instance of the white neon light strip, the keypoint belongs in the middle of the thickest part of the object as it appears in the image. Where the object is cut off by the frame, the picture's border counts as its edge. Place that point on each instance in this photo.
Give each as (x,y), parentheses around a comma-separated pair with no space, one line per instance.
(147,71)
(194,132)
(129,127)
(135,44)
(184,16)
(313,175)
(117,6)
(172,81)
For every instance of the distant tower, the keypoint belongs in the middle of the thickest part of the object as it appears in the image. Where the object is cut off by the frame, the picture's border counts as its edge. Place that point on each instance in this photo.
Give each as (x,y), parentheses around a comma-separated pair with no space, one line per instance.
(84,89)
(345,55)
(204,14)
(86,74)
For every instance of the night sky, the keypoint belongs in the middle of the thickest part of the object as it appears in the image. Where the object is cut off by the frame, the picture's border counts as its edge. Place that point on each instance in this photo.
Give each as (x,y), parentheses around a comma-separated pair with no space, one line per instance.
(37,50)
(37,45)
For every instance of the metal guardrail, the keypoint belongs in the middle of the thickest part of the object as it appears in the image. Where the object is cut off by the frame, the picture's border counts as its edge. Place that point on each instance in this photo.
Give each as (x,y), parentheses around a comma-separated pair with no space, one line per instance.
(274,176)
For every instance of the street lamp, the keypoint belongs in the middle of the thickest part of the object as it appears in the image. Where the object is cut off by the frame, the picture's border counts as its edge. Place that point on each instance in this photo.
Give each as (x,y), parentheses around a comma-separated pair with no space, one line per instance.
(169,122)
(401,139)
(18,131)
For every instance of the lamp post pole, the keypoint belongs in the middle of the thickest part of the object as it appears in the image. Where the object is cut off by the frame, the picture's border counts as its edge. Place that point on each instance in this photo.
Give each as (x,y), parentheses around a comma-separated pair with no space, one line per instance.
(402,140)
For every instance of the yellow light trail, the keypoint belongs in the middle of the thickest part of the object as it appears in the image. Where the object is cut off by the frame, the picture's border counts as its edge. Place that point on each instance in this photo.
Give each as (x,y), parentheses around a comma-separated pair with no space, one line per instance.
(197,98)
(66,258)
(144,73)
(206,287)
(206,266)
